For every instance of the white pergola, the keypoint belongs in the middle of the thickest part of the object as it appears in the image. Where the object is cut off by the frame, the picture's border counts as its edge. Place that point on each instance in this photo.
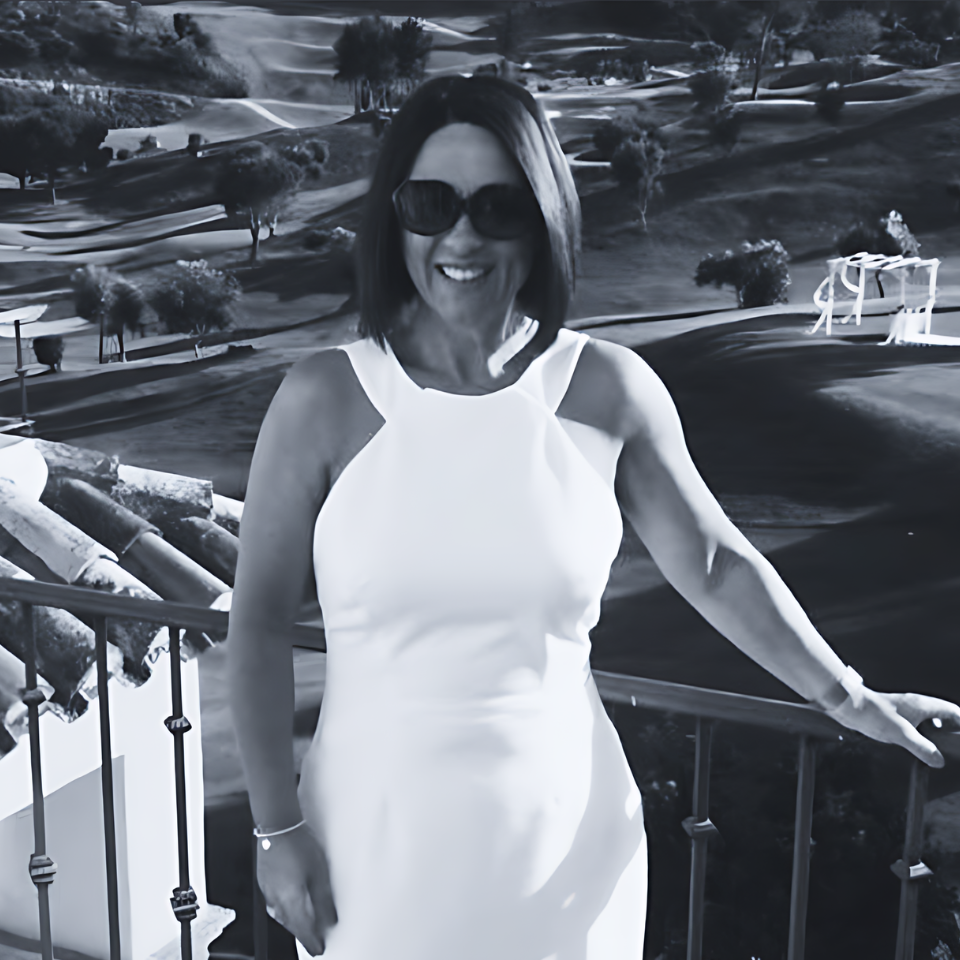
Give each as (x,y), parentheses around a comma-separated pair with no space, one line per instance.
(916,300)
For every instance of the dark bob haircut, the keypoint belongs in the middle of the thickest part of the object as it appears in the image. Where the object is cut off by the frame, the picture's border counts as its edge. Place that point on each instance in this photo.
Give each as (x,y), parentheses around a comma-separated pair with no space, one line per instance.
(507,110)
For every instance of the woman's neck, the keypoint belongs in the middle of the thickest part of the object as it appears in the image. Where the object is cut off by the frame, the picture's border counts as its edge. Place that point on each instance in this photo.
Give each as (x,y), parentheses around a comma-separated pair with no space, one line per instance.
(452,355)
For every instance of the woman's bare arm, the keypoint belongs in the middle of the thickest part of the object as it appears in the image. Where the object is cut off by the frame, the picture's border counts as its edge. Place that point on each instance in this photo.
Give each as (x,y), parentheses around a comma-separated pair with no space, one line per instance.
(714,567)
(310,432)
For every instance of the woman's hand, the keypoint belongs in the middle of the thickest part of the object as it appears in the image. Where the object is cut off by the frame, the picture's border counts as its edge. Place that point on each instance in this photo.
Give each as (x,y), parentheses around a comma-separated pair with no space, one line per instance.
(893,718)
(295,879)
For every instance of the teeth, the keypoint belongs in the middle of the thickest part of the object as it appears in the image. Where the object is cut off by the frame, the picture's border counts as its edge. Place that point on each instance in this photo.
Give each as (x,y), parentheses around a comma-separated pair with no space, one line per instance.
(461,276)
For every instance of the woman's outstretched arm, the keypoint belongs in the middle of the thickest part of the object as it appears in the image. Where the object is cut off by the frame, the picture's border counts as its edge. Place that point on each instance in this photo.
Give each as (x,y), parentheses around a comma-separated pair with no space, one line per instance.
(717,570)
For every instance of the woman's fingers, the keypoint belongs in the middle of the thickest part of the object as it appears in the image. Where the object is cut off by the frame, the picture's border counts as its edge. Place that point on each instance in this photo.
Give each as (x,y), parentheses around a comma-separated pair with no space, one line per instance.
(918,744)
(916,708)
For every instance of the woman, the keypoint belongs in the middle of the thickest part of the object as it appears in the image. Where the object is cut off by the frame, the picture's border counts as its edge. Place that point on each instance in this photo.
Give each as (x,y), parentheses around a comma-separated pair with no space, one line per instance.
(458,476)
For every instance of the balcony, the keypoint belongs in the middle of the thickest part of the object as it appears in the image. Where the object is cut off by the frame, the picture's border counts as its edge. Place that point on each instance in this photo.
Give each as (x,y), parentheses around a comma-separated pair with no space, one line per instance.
(805,724)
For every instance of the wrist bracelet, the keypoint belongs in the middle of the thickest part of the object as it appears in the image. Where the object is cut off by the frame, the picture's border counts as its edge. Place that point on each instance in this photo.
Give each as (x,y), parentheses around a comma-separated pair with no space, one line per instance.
(848,685)
(264,837)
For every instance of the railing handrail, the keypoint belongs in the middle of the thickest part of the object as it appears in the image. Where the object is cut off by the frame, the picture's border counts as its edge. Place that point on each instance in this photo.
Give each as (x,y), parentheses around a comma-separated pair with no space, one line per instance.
(662,695)
(88,600)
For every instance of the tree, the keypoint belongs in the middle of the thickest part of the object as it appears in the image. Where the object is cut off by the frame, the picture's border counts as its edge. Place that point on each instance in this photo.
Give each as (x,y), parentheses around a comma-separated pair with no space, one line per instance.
(758,272)
(609,135)
(381,61)
(854,33)
(108,299)
(367,58)
(412,47)
(43,140)
(710,88)
(194,298)
(638,162)
(253,181)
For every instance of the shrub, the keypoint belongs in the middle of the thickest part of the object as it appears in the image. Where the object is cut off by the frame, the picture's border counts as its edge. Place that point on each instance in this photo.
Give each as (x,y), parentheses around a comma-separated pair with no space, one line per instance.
(707,52)
(194,298)
(889,236)
(310,156)
(710,89)
(638,162)
(830,101)
(608,136)
(758,272)
(724,126)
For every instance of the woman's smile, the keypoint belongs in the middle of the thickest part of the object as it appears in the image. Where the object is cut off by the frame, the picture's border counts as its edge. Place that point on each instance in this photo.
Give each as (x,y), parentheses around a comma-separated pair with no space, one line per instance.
(463,274)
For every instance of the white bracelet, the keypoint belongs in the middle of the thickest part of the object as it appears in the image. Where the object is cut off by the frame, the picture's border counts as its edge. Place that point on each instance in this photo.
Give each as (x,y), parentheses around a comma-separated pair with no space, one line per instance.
(850,686)
(263,837)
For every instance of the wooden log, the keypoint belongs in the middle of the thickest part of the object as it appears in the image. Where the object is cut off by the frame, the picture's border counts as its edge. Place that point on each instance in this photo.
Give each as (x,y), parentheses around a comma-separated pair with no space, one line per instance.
(158,496)
(207,542)
(65,647)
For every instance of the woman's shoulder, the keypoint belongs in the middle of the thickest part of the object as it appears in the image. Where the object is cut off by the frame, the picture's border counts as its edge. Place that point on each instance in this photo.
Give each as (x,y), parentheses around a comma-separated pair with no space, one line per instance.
(321,400)
(612,389)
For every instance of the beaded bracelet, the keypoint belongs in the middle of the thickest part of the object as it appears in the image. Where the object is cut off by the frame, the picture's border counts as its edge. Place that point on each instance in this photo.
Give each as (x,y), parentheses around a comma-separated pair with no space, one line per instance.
(263,837)
(848,684)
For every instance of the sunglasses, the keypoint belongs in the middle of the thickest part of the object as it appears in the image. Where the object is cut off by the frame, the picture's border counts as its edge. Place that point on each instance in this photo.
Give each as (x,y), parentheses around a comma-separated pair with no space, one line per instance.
(497,211)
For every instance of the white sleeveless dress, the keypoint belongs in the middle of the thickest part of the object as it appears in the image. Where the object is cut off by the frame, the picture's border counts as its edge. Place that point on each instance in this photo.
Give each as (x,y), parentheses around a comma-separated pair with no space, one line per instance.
(471,792)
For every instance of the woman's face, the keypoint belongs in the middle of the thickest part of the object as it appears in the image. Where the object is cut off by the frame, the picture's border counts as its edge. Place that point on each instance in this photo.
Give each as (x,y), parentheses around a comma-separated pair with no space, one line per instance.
(463,276)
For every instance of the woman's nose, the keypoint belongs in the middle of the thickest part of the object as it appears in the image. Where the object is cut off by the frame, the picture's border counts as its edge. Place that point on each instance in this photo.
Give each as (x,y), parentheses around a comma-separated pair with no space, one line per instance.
(462,234)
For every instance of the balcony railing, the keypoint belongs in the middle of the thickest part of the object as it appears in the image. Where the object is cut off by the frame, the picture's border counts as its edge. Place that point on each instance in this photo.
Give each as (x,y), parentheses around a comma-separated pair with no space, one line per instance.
(807,723)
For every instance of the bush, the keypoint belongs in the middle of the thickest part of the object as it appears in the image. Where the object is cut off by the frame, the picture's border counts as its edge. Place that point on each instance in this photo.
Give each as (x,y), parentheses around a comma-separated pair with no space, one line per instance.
(710,89)
(194,298)
(758,272)
(49,350)
(889,236)
(310,156)
(707,52)
(608,136)
(830,101)
(724,126)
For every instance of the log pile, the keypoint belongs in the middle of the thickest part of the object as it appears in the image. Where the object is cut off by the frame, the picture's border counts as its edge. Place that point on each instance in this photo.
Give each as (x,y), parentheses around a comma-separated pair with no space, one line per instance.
(71,515)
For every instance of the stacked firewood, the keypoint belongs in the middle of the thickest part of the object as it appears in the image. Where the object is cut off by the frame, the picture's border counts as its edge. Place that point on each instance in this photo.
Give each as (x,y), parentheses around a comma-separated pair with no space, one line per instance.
(108,526)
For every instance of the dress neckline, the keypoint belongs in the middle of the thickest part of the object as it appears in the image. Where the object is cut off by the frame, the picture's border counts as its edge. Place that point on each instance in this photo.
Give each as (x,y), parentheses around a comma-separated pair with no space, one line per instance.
(472,396)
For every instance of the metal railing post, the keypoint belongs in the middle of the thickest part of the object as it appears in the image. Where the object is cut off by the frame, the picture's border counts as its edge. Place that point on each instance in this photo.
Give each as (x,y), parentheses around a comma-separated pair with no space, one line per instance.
(106,787)
(42,868)
(699,829)
(184,899)
(260,934)
(803,825)
(911,868)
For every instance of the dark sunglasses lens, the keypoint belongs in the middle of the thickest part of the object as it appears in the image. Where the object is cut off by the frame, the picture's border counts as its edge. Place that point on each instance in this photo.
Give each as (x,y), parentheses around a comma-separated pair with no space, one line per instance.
(427,207)
(503,212)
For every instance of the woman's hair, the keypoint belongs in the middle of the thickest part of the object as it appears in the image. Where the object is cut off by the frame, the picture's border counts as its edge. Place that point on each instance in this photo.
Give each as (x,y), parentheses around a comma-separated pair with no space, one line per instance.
(514,116)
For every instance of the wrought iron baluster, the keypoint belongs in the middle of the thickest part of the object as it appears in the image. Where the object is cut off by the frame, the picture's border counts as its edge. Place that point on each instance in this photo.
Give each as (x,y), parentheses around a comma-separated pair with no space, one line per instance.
(260,935)
(106,787)
(42,868)
(803,824)
(184,899)
(911,868)
(700,829)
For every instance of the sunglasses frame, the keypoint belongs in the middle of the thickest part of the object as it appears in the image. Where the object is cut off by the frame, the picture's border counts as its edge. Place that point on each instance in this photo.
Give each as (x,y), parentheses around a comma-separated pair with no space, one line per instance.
(465,205)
